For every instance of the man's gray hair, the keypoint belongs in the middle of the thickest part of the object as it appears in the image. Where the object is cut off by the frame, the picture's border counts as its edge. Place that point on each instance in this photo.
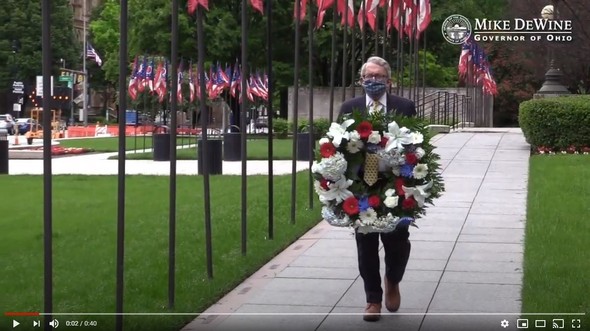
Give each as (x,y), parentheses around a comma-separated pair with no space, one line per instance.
(378,61)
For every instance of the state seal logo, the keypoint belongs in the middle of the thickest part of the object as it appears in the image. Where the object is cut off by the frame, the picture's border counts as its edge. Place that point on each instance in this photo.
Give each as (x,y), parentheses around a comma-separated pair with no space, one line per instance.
(456,29)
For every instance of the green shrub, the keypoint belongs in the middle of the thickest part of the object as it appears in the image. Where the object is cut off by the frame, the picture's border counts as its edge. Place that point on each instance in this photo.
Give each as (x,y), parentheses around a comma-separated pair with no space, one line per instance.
(320,126)
(557,122)
(280,127)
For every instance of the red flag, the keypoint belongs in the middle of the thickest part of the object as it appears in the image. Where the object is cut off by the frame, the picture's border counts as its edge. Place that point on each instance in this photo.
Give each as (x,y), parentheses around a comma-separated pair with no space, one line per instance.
(302,10)
(192,5)
(132,89)
(157,78)
(464,58)
(162,85)
(323,5)
(394,16)
(258,5)
(369,11)
(424,16)
(347,14)
(411,9)
(179,84)
(191,84)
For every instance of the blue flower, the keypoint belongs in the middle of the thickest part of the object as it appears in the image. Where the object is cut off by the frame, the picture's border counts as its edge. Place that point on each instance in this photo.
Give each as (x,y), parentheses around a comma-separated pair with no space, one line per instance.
(407,170)
(405,221)
(363,203)
(372,148)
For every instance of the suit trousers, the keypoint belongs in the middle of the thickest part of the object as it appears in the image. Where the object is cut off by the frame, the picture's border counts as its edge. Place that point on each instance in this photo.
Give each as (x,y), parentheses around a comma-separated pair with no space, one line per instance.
(397,251)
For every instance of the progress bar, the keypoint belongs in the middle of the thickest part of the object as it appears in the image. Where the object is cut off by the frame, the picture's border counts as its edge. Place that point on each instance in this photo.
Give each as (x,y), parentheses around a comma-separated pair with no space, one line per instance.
(14,314)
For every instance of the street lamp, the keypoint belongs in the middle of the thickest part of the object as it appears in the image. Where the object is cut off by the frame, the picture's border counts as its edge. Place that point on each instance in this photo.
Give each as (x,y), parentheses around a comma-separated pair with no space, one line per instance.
(552,85)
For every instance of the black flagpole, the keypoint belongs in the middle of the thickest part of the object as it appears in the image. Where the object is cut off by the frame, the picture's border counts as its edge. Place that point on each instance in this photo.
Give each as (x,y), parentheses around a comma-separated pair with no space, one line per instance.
(47,182)
(333,62)
(353,55)
(243,114)
(204,153)
(362,27)
(269,116)
(310,120)
(121,163)
(344,51)
(172,203)
(295,113)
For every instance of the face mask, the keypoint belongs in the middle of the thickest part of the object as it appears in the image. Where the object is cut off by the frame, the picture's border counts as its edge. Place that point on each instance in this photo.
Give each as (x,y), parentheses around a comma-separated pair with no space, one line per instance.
(374,89)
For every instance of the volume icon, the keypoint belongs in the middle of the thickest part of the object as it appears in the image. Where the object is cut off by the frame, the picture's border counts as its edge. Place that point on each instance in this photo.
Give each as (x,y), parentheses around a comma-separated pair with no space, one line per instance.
(54,324)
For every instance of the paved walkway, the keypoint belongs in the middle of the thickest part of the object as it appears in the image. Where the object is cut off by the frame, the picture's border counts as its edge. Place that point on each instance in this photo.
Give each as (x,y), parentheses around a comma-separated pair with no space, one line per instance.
(99,164)
(464,273)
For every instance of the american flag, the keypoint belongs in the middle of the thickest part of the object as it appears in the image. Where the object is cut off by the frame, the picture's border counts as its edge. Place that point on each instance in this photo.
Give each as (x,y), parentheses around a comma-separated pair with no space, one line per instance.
(91,53)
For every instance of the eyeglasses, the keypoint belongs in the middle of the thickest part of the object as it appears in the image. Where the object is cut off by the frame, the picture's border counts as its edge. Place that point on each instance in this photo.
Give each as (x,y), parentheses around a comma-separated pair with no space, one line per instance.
(378,78)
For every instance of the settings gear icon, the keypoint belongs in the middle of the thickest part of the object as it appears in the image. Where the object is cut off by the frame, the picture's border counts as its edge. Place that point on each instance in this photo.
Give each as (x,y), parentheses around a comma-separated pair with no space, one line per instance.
(504,324)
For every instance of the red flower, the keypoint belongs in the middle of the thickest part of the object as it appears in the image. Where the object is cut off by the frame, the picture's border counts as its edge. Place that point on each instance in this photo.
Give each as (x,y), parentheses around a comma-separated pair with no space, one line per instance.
(364,129)
(398,186)
(327,149)
(324,184)
(411,158)
(384,141)
(351,206)
(409,203)
(374,201)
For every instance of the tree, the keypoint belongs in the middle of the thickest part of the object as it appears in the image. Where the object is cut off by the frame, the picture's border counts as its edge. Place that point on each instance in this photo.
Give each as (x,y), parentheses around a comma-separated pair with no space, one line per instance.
(21,26)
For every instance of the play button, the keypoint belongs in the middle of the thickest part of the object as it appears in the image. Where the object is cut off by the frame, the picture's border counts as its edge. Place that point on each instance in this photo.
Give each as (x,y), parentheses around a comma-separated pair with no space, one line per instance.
(15,323)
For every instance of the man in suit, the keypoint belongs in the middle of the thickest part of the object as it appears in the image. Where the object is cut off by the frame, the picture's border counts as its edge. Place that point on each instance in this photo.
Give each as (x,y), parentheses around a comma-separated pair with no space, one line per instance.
(376,80)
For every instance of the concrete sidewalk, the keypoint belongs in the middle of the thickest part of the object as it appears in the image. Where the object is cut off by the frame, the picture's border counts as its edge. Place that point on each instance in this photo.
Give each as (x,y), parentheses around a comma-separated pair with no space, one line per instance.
(99,164)
(465,268)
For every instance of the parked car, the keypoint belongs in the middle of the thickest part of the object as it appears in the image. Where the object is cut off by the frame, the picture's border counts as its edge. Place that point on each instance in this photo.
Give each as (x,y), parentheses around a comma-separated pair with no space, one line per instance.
(7,123)
(25,124)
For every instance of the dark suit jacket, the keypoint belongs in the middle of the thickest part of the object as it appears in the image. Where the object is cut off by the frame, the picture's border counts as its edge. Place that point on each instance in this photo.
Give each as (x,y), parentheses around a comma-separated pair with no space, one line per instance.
(401,106)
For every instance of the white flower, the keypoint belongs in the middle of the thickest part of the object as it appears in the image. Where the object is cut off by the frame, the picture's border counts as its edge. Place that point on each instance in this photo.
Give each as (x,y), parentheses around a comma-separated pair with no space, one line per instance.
(324,141)
(419,152)
(368,216)
(354,136)
(396,170)
(374,137)
(391,201)
(331,168)
(420,171)
(337,191)
(419,192)
(317,185)
(397,137)
(417,138)
(338,132)
(354,146)
(390,192)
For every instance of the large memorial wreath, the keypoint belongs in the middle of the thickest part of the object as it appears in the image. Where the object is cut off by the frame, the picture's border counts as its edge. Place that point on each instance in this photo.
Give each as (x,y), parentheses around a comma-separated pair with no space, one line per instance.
(376,171)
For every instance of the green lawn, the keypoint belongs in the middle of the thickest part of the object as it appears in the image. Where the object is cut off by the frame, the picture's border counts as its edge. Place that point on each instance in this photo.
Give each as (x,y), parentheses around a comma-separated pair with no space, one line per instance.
(111,144)
(257,149)
(84,243)
(557,246)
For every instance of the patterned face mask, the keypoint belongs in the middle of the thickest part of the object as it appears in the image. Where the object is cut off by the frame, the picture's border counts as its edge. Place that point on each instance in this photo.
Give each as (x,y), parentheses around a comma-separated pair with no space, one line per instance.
(374,89)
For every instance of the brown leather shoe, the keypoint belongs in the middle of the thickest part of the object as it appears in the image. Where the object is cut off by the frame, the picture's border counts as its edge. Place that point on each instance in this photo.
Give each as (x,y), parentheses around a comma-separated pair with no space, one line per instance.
(372,312)
(392,296)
